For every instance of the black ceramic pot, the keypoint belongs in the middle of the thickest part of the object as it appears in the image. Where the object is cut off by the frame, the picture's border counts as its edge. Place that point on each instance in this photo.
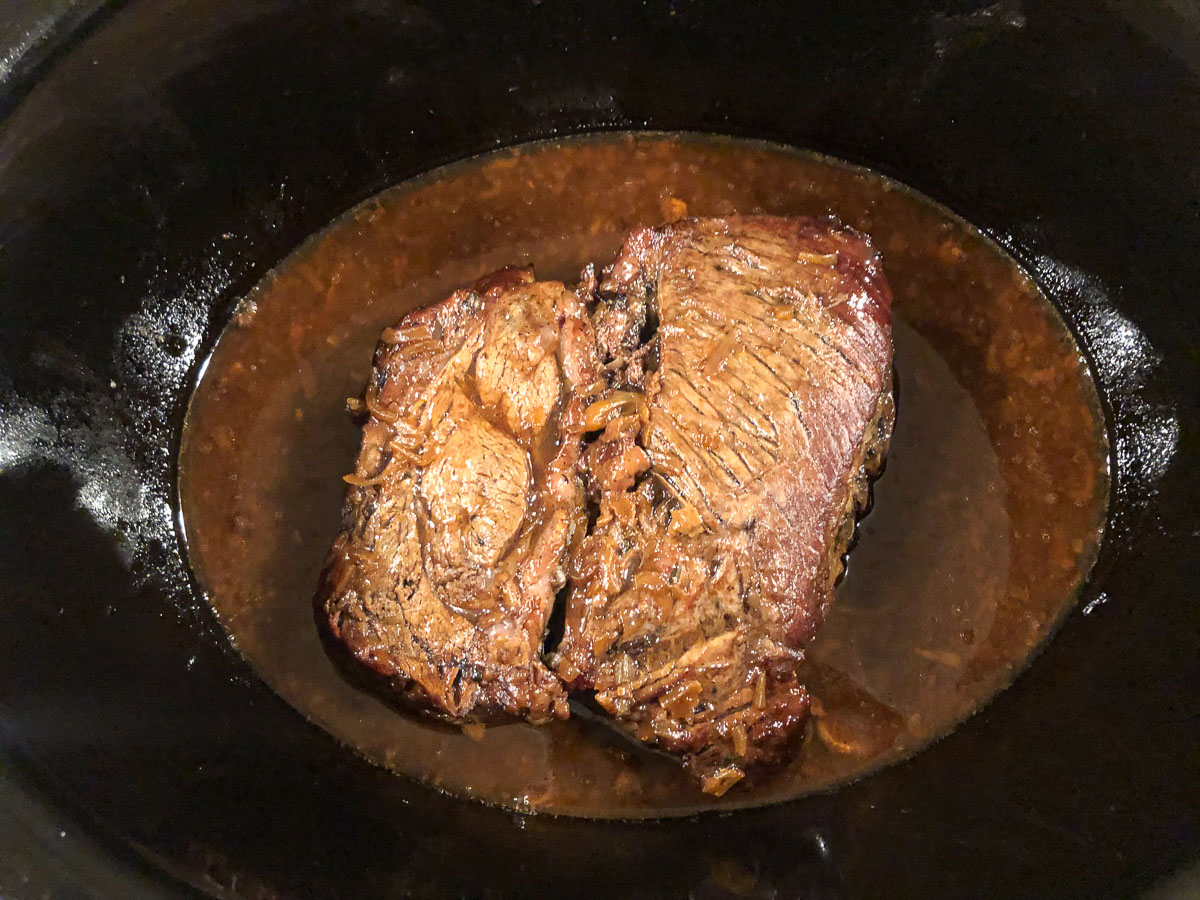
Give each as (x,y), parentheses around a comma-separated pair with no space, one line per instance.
(157,158)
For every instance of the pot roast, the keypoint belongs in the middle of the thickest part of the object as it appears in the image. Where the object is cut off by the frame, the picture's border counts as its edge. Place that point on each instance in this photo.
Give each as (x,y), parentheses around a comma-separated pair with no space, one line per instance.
(678,453)
(465,497)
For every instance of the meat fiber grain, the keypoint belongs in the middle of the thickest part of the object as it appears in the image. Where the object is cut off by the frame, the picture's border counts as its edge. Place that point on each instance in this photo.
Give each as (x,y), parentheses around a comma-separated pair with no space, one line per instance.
(723,396)
(762,348)
(464,501)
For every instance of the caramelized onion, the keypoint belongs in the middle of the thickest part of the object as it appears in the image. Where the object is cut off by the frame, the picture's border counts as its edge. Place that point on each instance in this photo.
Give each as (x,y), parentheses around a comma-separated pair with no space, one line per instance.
(404,438)
(409,333)
(567,670)
(724,349)
(722,780)
(362,481)
(760,691)
(946,658)
(384,415)
(685,521)
(740,740)
(626,669)
(595,387)
(667,466)
(615,405)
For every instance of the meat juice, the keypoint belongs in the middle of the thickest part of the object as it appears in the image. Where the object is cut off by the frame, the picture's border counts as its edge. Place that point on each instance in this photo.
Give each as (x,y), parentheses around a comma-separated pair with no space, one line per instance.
(984,525)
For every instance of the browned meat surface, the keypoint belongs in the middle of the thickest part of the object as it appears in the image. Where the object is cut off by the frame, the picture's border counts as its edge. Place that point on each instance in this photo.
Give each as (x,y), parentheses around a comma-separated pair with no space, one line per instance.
(464,500)
(734,380)
(735,448)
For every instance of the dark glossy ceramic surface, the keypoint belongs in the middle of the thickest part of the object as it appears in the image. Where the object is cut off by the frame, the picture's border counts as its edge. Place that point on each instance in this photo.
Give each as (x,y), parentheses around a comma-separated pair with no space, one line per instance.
(159,159)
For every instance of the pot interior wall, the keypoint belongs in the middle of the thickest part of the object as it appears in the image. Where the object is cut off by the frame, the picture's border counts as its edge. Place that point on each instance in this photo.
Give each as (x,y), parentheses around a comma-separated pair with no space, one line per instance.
(164,157)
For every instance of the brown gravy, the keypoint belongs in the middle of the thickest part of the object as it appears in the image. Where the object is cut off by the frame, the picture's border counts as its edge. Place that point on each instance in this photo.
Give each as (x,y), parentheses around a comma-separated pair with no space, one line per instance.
(984,525)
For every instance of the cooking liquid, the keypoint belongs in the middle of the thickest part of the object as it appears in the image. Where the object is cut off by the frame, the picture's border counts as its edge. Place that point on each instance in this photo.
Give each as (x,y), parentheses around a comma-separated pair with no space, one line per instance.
(984,525)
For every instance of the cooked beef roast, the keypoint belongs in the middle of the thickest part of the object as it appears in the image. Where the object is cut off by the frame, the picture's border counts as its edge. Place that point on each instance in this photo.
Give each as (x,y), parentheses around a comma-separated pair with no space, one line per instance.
(464,500)
(727,479)
(733,382)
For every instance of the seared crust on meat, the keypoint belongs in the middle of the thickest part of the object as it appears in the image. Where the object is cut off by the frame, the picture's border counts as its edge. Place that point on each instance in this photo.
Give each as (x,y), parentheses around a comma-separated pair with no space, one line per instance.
(719,402)
(695,592)
(464,500)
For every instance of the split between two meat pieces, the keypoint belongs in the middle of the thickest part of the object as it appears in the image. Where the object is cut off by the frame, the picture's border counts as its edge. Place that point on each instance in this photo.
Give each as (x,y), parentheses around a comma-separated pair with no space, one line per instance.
(676,455)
